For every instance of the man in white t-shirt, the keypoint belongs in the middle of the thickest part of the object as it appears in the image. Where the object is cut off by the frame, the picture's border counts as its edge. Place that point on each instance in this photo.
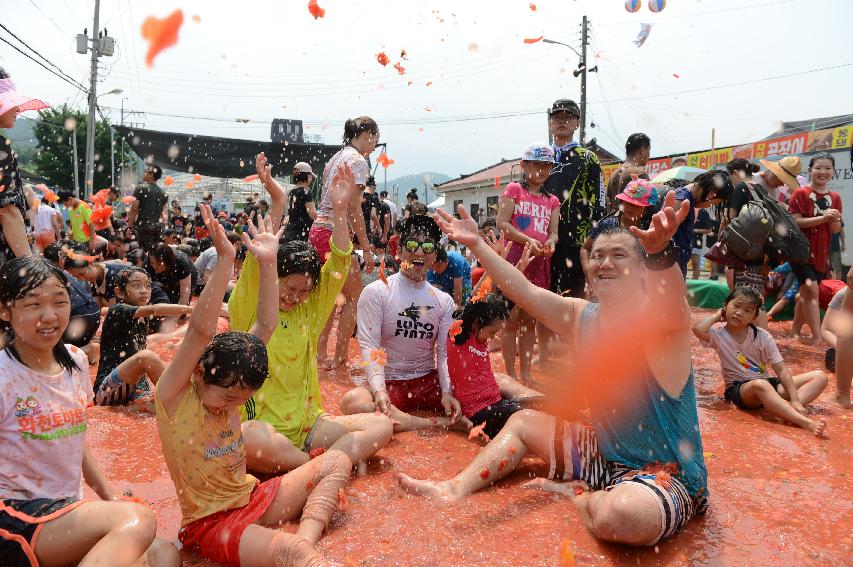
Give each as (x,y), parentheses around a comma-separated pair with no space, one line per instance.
(47,226)
(405,322)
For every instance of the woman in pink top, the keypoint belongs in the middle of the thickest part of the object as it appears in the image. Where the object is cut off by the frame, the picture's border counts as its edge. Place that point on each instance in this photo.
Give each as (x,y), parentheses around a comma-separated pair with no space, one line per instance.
(526,215)
(487,399)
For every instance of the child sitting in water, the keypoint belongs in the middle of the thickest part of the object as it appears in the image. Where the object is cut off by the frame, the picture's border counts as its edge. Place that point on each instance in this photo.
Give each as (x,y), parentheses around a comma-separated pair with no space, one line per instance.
(225,510)
(487,399)
(745,352)
(44,519)
(126,366)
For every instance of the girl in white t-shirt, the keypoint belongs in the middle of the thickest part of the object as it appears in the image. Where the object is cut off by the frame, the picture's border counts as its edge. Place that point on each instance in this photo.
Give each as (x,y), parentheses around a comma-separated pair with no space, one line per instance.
(745,353)
(44,393)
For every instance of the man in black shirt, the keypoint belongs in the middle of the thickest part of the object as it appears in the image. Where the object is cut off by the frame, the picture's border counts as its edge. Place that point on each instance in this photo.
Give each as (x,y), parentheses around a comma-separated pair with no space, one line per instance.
(370,207)
(576,181)
(301,209)
(146,211)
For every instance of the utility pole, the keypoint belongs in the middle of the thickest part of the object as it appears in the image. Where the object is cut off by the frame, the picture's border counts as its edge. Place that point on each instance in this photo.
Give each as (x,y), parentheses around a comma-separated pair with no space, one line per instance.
(582,69)
(102,44)
(74,162)
(91,122)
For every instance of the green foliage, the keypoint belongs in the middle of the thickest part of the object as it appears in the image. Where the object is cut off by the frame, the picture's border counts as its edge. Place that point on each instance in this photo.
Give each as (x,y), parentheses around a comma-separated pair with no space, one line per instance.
(53,131)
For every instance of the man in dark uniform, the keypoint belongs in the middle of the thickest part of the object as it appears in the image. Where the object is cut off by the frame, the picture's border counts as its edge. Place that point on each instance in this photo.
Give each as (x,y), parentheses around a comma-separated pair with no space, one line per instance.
(577,182)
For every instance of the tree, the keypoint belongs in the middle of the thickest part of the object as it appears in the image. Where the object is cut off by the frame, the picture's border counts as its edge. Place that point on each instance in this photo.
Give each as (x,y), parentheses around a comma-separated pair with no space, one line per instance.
(53,131)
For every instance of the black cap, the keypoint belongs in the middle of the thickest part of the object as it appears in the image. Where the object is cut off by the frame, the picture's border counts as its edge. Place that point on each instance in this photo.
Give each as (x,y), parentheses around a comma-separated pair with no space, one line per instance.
(421,224)
(565,105)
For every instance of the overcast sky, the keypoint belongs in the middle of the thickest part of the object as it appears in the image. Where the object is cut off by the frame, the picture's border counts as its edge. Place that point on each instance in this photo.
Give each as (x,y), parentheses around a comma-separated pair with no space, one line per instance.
(259,60)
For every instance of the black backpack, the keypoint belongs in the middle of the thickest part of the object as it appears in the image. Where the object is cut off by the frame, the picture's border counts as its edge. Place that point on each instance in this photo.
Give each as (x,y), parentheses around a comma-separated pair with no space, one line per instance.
(747,234)
(786,242)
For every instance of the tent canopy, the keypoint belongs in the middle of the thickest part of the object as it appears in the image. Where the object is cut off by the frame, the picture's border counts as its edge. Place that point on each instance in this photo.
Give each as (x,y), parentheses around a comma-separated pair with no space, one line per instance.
(221,157)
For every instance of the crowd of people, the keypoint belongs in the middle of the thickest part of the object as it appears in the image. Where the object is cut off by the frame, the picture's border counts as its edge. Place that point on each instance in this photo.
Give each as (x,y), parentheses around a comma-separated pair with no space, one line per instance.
(565,270)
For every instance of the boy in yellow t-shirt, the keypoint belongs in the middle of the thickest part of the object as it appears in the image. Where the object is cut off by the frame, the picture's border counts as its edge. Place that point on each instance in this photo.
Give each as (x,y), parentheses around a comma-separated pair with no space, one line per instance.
(285,421)
(228,517)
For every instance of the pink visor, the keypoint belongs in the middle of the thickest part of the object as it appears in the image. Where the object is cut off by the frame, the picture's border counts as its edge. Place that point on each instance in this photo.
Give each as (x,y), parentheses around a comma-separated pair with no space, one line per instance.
(11,98)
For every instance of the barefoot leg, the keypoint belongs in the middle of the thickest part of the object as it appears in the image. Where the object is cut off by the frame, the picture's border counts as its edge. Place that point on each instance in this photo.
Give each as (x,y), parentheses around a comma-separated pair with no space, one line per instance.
(809,386)
(268,451)
(757,393)
(525,431)
(513,389)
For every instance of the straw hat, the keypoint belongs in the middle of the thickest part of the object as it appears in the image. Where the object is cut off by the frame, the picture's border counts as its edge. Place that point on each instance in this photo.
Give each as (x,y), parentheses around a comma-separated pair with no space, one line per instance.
(786,169)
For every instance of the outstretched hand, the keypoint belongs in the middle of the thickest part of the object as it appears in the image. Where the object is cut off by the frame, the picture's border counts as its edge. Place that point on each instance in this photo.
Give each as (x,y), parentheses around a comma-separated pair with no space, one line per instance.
(264,171)
(663,226)
(263,243)
(223,246)
(463,230)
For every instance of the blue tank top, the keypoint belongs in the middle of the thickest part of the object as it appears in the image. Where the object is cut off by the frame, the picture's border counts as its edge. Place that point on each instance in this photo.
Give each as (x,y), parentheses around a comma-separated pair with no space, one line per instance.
(645,425)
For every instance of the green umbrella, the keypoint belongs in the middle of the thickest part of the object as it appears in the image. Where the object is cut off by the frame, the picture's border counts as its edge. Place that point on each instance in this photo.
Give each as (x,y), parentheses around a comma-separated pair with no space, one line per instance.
(683,172)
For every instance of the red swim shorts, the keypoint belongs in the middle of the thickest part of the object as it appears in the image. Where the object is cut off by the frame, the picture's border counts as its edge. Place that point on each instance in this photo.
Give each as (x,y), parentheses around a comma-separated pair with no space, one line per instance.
(319,237)
(217,537)
(417,394)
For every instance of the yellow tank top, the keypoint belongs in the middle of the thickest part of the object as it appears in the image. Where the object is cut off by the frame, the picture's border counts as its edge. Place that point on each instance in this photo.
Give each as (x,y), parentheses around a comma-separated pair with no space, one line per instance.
(206,457)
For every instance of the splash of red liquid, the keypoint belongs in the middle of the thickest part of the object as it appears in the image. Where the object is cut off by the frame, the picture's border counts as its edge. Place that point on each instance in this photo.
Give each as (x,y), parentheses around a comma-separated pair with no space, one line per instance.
(382,58)
(534,39)
(161,34)
(315,10)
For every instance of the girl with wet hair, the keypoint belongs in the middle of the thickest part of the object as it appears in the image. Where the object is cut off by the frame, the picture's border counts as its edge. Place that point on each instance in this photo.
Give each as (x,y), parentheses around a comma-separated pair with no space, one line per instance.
(487,399)
(44,518)
(229,517)
(746,352)
(285,423)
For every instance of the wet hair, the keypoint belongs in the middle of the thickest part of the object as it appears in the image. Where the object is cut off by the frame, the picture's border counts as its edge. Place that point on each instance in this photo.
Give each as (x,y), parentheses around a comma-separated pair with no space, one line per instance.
(710,181)
(820,156)
(124,276)
(20,276)
(488,223)
(749,295)
(440,254)
(76,263)
(155,171)
(356,126)
(484,312)
(383,193)
(65,195)
(237,359)
(205,243)
(620,231)
(52,252)
(420,225)
(412,194)
(164,253)
(637,142)
(298,257)
(740,164)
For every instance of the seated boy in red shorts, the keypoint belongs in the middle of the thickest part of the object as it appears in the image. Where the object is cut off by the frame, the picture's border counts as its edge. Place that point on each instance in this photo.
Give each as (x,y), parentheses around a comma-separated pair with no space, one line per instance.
(402,333)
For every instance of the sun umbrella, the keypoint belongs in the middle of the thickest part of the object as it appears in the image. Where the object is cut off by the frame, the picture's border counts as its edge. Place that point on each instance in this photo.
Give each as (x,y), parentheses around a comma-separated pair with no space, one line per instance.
(683,172)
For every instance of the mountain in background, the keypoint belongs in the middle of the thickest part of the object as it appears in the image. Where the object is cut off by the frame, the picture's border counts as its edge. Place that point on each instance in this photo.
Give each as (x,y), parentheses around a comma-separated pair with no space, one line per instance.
(23,140)
(407,182)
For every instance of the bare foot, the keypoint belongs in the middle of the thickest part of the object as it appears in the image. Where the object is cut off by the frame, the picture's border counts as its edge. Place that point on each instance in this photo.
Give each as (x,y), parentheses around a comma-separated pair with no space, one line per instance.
(440,491)
(843,401)
(819,428)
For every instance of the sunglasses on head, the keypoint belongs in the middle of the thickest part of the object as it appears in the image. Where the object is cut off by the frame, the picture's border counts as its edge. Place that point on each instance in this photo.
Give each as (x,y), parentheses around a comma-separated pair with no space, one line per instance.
(428,247)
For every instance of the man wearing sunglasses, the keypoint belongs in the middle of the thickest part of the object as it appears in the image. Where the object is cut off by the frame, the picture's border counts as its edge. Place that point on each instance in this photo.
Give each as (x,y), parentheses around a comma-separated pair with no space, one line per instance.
(407,319)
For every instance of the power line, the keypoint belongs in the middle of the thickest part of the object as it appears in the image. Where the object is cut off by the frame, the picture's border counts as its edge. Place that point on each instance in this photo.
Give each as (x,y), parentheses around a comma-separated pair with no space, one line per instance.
(45,59)
(48,69)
